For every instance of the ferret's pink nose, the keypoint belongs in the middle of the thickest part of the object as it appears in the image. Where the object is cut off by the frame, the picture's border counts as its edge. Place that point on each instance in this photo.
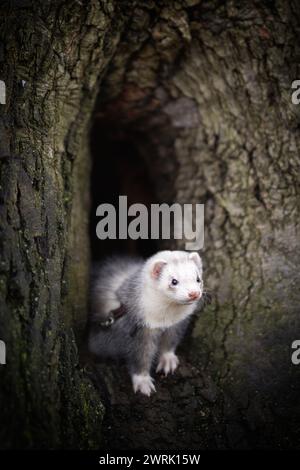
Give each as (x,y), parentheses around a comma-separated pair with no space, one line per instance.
(193,295)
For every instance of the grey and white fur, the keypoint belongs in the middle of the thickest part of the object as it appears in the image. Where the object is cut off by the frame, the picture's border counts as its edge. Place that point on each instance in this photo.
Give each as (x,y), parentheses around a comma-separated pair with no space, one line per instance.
(159,296)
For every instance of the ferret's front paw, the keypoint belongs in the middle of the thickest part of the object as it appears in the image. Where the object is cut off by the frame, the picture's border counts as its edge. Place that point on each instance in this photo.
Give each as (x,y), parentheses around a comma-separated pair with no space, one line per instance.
(168,362)
(143,384)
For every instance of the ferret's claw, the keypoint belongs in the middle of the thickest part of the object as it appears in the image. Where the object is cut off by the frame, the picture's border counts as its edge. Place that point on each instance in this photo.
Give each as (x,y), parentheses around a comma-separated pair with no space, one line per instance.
(168,362)
(143,383)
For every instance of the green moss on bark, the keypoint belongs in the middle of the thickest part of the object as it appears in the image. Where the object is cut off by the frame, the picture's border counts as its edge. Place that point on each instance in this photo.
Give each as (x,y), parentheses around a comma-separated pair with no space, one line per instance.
(53,58)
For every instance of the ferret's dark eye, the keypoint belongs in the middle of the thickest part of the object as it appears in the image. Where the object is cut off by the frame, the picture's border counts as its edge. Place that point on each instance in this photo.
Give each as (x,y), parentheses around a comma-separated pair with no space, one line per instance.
(174,282)
(198,279)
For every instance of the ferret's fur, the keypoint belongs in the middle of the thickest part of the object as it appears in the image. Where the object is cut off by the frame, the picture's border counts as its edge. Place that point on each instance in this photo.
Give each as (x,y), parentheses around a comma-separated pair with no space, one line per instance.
(157,312)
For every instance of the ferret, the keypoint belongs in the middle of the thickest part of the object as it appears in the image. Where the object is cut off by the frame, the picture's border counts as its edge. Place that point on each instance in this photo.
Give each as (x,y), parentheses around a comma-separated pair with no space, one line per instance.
(141,310)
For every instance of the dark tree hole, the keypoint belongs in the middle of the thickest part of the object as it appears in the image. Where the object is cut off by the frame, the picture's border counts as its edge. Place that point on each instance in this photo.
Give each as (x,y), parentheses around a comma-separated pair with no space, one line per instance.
(117,169)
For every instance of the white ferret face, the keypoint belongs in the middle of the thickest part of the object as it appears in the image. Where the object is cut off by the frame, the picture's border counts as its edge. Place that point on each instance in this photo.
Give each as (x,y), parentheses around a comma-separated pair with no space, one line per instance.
(178,275)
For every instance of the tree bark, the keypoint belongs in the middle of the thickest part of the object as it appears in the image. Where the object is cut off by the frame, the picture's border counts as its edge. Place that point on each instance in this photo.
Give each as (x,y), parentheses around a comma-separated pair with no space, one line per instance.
(203,88)
(53,57)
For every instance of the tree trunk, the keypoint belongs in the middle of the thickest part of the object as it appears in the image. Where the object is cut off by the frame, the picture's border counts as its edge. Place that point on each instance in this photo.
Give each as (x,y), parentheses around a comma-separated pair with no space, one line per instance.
(203,89)
(53,56)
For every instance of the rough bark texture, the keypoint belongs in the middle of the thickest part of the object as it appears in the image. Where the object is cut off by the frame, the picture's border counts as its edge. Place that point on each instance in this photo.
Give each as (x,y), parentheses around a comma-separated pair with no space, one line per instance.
(53,56)
(203,89)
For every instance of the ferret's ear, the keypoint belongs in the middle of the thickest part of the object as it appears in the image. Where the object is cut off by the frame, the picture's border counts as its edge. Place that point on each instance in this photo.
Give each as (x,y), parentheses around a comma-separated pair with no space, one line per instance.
(157,267)
(197,260)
